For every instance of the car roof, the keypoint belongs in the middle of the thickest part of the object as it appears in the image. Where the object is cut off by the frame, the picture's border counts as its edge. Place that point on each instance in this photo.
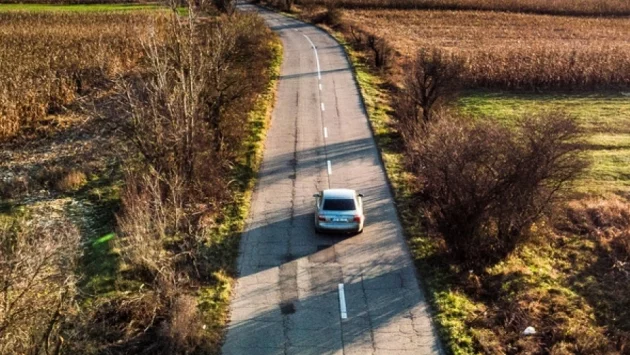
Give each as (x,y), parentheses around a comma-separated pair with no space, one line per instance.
(339,193)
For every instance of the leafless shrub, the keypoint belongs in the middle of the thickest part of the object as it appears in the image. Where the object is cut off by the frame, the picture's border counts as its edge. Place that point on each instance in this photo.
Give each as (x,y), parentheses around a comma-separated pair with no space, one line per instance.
(150,214)
(381,50)
(484,185)
(333,15)
(187,117)
(431,80)
(357,36)
(184,113)
(37,285)
(181,332)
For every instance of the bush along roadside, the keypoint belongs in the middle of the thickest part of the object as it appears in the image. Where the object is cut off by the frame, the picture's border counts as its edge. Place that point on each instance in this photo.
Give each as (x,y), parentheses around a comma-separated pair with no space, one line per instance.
(197,142)
(214,300)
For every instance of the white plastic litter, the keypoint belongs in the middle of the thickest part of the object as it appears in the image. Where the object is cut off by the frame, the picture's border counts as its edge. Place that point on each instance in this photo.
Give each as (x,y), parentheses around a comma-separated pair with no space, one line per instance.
(529,331)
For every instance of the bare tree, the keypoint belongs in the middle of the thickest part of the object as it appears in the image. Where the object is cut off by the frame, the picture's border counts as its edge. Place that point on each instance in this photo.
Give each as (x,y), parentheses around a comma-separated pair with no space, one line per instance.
(484,185)
(187,114)
(380,49)
(183,101)
(37,285)
(432,78)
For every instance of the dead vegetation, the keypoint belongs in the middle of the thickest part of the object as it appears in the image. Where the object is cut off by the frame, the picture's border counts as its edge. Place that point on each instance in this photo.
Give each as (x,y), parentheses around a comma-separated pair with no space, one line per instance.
(186,117)
(508,51)
(483,186)
(433,78)
(557,7)
(38,261)
(45,69)
(607,222)
(172,97)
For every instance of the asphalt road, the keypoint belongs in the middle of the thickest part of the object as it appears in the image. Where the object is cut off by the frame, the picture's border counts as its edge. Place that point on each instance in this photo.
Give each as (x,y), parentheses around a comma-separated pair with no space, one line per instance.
(288,299)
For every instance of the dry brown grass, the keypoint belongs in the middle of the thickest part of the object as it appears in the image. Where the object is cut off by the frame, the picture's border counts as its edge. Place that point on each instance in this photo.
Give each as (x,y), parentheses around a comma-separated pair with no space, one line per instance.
(49,60)
(607,221)
(37,284)
(71,181)
(559,7)
(512,51)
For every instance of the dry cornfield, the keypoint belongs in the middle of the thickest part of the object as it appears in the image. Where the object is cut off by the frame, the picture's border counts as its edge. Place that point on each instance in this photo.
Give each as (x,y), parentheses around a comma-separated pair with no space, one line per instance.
(512,51)
(557,7)
(49,60)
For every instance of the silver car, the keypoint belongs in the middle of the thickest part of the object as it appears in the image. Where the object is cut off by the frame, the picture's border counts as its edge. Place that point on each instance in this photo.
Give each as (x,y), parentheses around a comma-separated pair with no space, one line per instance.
(339,210)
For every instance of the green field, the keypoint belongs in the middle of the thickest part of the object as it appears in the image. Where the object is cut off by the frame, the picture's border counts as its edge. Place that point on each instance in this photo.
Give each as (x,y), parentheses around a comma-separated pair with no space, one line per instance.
(78,8)
(604,117)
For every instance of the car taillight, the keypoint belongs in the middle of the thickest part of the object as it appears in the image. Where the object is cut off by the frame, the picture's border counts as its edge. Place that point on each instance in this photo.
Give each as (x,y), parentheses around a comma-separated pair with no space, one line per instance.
(357,219)
(321,218)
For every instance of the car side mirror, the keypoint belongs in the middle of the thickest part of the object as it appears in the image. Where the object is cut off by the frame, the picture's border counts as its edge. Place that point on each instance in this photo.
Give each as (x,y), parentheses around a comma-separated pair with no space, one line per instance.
(360,195)
(316,195)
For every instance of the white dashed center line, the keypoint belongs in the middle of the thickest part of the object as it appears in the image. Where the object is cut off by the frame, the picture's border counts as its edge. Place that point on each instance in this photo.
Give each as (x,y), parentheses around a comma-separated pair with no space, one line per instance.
(325,132)
(323,108)
(329,167)
(342,302)
(320,87)
(319,72)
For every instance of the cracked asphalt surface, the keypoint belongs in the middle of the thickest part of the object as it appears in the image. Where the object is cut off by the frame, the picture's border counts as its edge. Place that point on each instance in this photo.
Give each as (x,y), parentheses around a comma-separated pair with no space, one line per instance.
(286,299)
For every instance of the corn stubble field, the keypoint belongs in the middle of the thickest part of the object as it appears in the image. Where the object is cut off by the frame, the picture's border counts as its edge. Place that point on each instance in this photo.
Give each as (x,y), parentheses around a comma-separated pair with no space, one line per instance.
(48,61)
(568,278)
(115,236)
(557,7)
(512,51)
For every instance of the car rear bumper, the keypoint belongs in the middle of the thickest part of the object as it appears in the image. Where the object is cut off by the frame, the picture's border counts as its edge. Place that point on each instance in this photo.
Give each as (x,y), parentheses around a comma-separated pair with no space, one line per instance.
(339,227)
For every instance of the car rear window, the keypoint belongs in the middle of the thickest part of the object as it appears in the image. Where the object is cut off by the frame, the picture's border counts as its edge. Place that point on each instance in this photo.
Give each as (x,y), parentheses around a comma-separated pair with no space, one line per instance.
(345,204)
